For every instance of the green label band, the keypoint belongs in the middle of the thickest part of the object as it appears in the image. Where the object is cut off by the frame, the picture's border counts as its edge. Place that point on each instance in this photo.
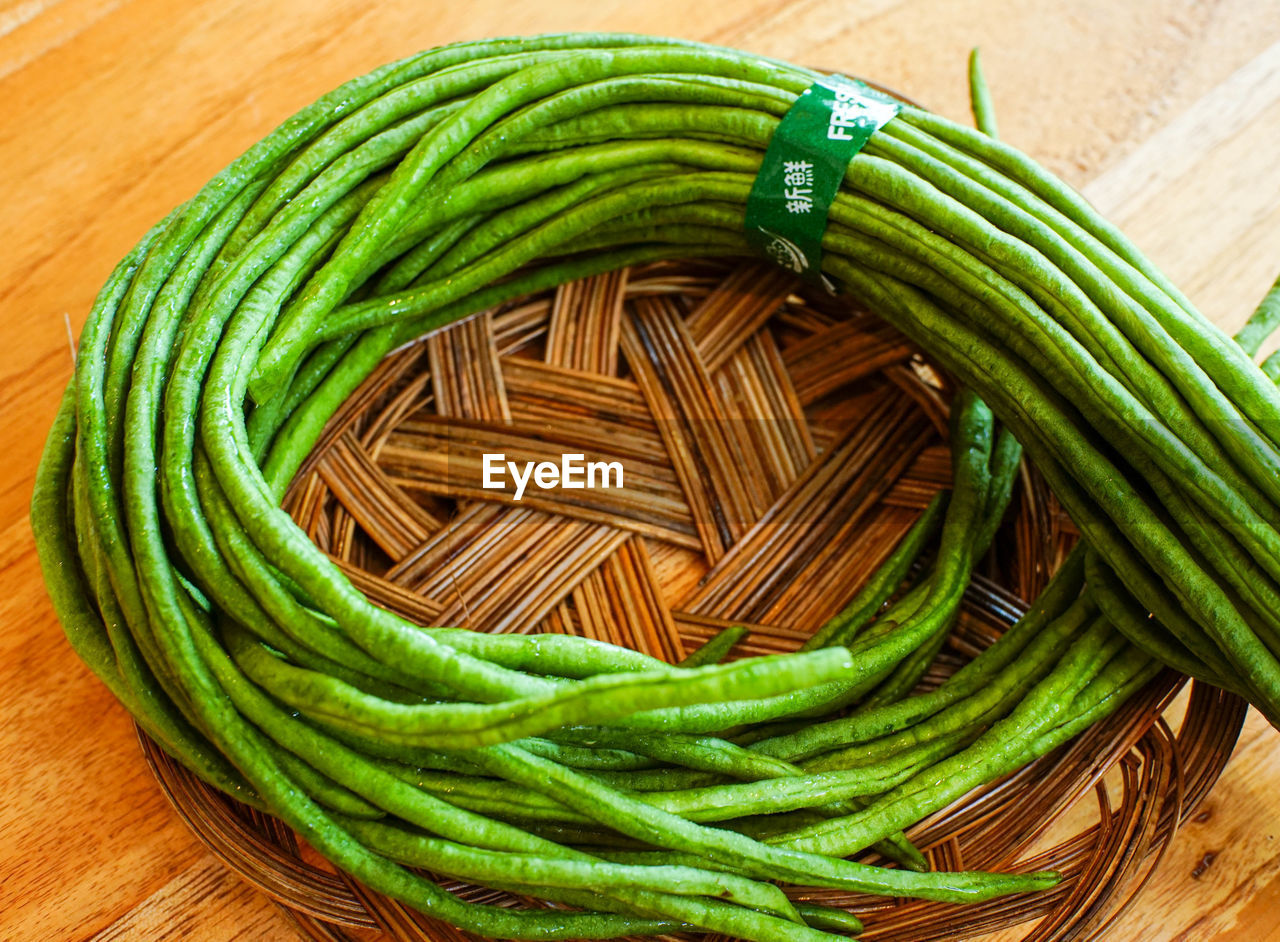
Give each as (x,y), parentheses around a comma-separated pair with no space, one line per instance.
(804,163)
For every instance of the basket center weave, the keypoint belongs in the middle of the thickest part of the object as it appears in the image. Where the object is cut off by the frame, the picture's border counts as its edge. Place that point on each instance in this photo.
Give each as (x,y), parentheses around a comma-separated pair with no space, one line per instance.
(774,445)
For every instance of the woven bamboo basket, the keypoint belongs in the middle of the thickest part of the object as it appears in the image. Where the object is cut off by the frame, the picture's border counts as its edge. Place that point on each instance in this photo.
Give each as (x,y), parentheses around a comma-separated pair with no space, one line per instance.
(776,442)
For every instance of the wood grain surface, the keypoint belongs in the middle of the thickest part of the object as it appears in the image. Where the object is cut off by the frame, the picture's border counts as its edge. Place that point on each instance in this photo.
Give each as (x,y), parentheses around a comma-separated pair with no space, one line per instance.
(1166,113)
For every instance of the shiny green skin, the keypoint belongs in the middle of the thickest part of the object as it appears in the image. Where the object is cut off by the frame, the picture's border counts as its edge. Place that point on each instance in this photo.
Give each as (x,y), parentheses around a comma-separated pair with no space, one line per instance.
(397,204)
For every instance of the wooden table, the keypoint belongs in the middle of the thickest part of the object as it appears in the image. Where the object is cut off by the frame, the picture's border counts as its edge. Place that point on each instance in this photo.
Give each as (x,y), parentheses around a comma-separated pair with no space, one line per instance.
(113,111)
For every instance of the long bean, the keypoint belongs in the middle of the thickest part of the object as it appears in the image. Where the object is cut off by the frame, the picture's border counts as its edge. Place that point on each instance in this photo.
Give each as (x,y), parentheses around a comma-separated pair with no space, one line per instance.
(465,176)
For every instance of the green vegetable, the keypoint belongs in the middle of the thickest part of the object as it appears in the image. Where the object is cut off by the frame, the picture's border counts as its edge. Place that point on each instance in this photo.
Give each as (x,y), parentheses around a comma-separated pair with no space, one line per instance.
(440,185)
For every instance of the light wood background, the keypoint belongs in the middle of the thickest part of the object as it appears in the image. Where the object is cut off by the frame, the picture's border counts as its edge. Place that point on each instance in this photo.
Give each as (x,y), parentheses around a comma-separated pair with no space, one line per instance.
(1167,114)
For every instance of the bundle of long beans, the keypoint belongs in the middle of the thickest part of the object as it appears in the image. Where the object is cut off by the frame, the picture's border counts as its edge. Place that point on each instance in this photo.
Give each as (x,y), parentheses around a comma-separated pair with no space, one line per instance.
(579,773)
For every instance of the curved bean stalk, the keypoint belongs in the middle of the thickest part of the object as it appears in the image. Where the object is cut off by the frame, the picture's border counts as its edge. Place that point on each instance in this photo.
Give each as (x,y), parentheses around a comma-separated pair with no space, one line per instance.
(453,180)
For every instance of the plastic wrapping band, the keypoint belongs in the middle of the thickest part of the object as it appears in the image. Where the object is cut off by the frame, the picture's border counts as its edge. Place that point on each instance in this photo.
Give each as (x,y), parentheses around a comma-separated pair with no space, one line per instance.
(807,156)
